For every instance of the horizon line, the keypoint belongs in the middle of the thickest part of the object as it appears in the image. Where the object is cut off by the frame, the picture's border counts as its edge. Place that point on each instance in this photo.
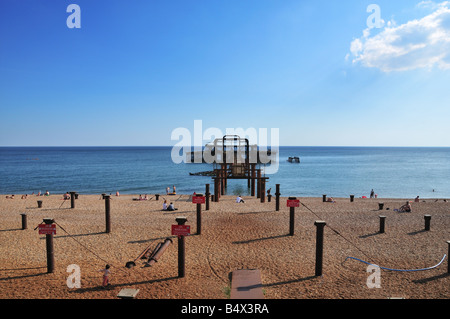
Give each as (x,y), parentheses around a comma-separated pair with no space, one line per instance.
(366,146)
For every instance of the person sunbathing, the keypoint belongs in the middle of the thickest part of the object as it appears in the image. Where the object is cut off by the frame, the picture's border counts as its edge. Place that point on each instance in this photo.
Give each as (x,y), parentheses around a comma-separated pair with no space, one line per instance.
(331,200)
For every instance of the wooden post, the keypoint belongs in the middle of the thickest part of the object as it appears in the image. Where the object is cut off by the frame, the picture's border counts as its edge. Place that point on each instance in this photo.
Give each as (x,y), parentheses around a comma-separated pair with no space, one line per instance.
(427,222)
(319,246)
(181,249)
(49,248)
(292,218)
(207,194)
(199,216)
(448,257)
(72,199)
(50,253)
(24,221)
(382,223)
(277,197)
(107,213)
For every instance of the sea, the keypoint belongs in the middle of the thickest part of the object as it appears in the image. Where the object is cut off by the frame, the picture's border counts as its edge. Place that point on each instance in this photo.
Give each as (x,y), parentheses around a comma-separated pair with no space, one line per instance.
(392,172)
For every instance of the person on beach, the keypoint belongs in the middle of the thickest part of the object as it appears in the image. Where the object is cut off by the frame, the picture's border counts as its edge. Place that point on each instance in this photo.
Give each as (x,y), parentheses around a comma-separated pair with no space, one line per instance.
(117,193)
(106,274)
(47,193)
(171,207)
(10,197)
(167,190)
(174,191)
(165,205)
(372,193)
(416,200)
(405,208)
(239,199)
(331,200)
(66,196)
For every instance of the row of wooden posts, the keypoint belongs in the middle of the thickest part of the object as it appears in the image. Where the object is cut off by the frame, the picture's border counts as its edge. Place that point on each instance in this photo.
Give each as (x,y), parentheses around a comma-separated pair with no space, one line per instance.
(182,220)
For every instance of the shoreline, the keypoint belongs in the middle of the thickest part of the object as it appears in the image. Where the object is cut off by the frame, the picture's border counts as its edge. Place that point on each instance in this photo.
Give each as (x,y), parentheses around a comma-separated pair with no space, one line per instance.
(228,195)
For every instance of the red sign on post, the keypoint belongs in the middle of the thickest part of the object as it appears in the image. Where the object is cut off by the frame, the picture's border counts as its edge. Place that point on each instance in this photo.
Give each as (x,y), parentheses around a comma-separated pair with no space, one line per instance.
(47,229)
(293,203)
(181,230)
(198,199)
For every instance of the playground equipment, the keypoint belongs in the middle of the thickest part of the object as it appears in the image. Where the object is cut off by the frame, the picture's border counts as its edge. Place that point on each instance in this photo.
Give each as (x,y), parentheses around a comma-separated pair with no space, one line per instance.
(151,257)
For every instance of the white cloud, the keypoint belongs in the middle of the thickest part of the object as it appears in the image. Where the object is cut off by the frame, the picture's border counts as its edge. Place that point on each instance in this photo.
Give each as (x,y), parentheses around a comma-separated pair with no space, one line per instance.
(422,43)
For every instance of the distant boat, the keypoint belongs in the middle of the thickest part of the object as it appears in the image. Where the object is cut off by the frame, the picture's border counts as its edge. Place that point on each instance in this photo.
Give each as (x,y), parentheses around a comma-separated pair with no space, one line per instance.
(294,159)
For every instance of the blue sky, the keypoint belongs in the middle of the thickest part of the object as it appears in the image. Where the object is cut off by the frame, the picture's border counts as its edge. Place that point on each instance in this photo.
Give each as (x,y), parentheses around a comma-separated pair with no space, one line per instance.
(137,70)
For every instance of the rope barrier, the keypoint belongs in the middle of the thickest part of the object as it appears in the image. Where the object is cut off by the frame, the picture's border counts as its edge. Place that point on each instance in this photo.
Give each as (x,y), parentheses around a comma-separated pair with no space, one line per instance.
(84,246)
(337,232)
(402,270)
(385,268)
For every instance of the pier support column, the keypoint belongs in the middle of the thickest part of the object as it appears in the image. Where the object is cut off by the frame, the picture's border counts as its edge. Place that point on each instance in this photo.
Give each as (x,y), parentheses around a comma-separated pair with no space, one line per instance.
(319,246)
(382,224)
(199,216)
(222,181)
(263,190)
(49,248)
(427,222)
(107,214)
(216,187)
(258,183)
(252,180)
(292,218)
(277,197)
(207,194)
(448,257)
(72,199)
(24,221)
(181,249)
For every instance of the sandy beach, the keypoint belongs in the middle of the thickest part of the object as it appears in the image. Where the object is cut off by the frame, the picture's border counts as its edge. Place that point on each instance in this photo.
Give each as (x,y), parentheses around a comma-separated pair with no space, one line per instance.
(250,235)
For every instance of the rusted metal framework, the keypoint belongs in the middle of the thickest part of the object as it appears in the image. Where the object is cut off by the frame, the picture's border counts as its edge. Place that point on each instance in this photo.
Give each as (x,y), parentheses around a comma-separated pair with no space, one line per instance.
(235,158)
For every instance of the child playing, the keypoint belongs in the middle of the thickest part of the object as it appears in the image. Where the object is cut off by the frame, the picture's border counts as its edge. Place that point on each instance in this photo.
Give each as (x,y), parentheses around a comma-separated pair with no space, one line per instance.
(106,274)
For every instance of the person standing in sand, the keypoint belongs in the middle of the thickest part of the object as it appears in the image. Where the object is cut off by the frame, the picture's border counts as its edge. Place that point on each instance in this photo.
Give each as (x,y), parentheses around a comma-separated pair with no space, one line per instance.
(106,274)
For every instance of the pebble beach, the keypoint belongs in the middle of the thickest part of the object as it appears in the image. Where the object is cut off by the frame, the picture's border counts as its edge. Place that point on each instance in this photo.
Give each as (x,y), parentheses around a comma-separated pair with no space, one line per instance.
(250,235)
